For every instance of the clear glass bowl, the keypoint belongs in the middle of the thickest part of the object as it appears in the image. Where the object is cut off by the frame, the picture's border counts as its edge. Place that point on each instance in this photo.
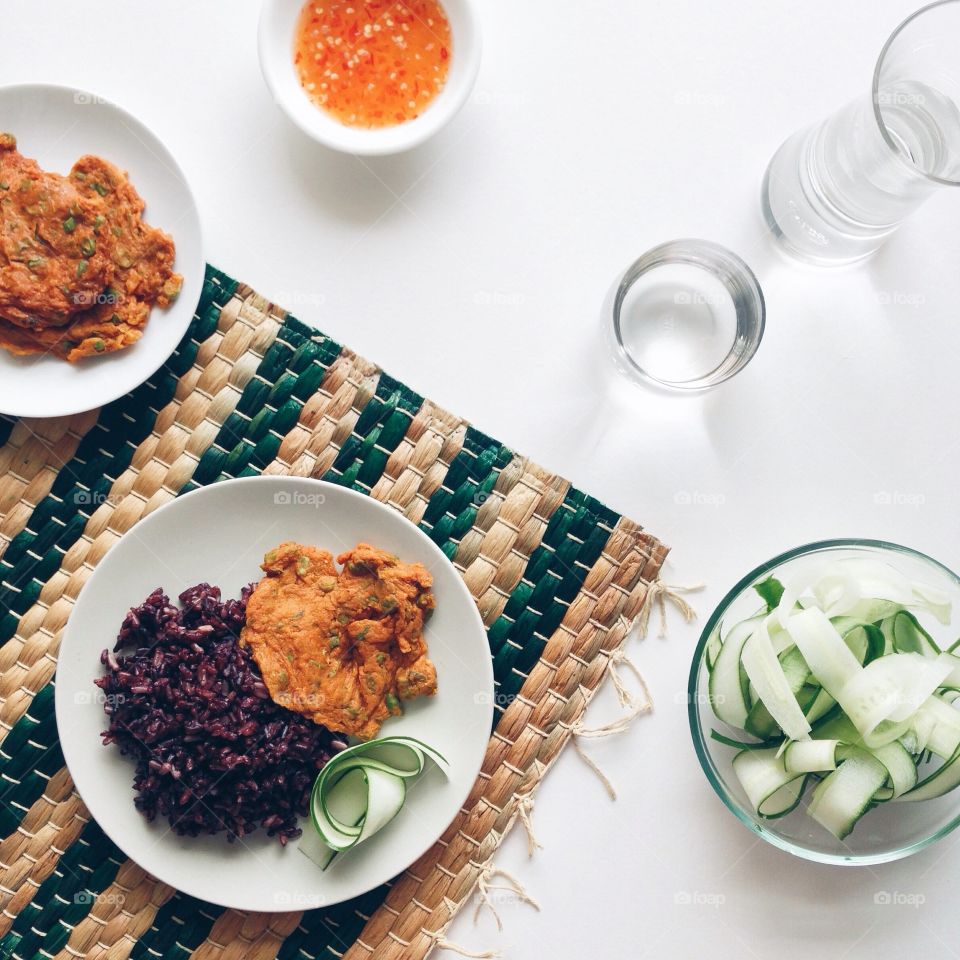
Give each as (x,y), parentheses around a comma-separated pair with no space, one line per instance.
(889,831)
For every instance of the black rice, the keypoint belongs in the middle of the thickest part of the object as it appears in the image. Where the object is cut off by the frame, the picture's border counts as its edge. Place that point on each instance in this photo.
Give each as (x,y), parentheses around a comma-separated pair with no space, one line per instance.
(213,752)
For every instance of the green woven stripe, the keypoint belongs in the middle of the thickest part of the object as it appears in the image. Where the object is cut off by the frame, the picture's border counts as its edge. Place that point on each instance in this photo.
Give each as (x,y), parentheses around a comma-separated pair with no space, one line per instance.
(6,427)
(289,374)
(572,543)
(64,898)
(29,757)
(35,554)
(270,406)
(473,472)
(179,927)
(380,428)
(59,519)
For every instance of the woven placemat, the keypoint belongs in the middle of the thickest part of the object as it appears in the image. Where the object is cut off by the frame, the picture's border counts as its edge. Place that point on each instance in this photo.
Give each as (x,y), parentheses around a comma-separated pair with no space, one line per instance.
(558,579)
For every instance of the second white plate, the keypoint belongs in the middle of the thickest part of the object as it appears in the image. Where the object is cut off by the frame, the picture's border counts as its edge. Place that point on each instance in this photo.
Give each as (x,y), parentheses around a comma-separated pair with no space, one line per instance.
(56,126)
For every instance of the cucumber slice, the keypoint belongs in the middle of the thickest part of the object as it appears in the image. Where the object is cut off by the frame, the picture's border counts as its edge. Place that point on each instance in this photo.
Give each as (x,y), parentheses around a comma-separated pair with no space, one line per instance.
(866,641)
(713,647)
(844,795)
(940,782)
(759,723)
(771,789)
(822,704)
(892,689)
(795,668)
(773,688)
(901,770)
(727,692)
(829,658)
(837,727)
(359,791)
(904,634)
(811,756)
(932,600)
(936,728)
(741,744)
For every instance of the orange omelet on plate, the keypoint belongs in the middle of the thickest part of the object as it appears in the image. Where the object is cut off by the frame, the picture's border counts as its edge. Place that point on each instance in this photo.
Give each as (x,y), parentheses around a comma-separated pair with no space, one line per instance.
(342,647)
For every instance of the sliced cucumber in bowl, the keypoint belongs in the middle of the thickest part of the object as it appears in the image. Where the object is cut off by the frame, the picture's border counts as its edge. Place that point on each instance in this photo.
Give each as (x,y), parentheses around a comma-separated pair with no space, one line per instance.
(836,699)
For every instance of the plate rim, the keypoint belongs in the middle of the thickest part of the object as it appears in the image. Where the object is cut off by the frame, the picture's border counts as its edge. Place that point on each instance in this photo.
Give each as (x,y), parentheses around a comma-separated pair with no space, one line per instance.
(61,705)
(70,409)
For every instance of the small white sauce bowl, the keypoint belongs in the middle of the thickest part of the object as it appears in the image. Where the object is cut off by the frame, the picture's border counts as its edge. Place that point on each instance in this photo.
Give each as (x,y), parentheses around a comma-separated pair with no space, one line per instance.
(278,21)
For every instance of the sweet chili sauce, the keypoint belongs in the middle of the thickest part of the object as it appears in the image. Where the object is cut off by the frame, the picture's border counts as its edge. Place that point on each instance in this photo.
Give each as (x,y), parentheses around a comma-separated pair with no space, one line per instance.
(372,63)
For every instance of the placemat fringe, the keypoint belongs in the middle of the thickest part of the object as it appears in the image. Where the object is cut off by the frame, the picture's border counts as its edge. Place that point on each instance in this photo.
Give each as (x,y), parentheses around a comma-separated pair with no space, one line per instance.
(635,708)
(442,943)
(487,872)
(658,594)
(525,813)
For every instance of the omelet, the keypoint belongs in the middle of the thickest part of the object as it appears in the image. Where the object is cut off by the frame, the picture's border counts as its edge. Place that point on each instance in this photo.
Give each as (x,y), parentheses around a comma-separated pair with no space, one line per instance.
(79,267)
(51,264)
(142,255)
(108,327)
(343,647)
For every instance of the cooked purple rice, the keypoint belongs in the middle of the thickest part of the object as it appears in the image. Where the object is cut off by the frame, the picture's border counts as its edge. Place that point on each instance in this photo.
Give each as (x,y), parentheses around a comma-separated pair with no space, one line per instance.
(213,752)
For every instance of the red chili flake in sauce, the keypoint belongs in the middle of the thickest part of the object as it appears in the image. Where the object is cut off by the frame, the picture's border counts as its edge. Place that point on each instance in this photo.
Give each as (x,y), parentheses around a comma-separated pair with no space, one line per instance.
(375,63)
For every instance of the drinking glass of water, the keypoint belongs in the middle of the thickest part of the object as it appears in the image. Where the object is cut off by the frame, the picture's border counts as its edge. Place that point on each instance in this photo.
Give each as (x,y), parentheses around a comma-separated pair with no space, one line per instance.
(687,315)
(834,192)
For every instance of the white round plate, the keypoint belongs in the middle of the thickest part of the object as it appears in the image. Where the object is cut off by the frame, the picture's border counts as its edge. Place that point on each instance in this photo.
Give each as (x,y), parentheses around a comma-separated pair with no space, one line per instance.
(55,126)
(219,534)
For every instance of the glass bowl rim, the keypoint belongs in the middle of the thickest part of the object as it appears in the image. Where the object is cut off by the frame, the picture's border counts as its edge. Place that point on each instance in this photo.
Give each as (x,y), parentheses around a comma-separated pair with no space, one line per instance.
(700,741)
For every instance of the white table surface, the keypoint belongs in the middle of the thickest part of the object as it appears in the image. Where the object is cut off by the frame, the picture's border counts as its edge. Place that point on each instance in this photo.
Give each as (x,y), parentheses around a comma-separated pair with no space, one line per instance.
(473,269)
